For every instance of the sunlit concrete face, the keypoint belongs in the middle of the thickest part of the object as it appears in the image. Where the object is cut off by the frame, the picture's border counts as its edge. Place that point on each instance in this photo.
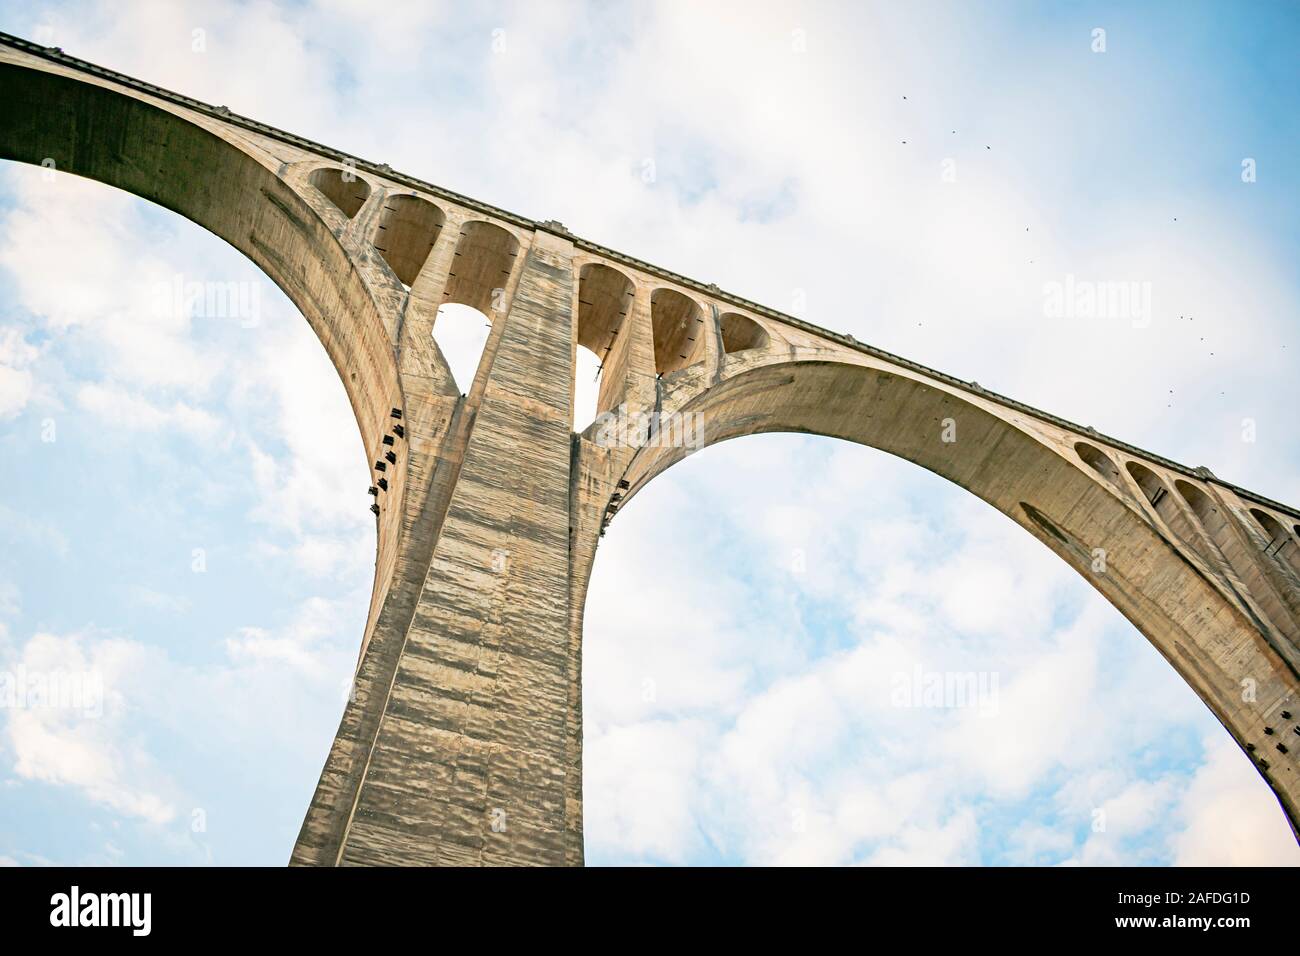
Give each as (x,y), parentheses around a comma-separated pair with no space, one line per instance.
(462,740)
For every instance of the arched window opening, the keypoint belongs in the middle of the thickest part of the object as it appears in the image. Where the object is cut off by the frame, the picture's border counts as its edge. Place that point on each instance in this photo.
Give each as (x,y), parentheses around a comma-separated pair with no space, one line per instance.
(485,257)
(407,231)
(740,332)
(678,327)
(604,302)
(1152,487)
(1226,548)
(1214,523)
(344,188)
(1100,462)
(1157,493)
(1205,510)
(461,333)
(1280,545)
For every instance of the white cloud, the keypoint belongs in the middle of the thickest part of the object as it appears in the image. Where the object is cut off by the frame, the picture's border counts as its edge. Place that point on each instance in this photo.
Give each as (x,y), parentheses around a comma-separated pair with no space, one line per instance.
(10,601)
(115,406)
(16,381)
(107,754)
(311,471)
(1036,843)
(1227,816)
(299,645)
(33,529)
(640,783)
(15,390)
(111,299)
(76,747)
(950,844)
(160,600)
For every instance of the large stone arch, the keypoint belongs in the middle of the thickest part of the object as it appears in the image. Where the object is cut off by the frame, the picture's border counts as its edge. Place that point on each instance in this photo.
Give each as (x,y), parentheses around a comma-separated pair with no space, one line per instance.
(263,196)
(1217,642)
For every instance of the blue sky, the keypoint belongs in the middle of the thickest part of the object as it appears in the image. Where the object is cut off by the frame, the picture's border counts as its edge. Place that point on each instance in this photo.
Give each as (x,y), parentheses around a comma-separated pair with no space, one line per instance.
(196,532)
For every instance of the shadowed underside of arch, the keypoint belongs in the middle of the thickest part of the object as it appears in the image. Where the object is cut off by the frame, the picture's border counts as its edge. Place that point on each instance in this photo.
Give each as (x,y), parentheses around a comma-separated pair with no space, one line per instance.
(462,740)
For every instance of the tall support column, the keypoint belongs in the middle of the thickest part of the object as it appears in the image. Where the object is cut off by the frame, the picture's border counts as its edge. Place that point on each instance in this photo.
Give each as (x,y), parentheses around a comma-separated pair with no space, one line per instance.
(467,764)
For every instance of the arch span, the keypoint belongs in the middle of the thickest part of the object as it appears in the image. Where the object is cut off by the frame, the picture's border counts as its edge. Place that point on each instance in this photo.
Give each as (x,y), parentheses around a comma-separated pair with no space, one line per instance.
(1216,638)
(256,192)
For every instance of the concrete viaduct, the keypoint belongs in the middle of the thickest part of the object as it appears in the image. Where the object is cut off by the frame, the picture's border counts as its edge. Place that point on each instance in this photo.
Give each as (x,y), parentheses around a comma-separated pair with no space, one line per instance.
(462,741)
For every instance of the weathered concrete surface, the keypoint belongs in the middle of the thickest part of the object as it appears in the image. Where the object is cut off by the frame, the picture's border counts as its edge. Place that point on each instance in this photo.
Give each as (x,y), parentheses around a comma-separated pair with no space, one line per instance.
(462,741)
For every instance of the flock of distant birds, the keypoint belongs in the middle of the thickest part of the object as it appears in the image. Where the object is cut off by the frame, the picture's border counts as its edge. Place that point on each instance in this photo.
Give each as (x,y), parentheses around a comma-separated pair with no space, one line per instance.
(1031,262)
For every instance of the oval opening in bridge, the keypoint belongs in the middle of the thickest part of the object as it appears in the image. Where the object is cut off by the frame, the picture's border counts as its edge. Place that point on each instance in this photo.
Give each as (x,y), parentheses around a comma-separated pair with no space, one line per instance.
(604,302)
(740,333)
(407,231)
(1099,461)
(678,330)
(480,270)
(1152,487)
(343,187)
